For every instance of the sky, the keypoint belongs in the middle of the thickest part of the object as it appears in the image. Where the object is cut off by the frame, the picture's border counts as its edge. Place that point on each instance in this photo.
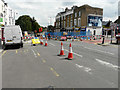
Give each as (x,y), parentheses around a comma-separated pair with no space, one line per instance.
(45,11)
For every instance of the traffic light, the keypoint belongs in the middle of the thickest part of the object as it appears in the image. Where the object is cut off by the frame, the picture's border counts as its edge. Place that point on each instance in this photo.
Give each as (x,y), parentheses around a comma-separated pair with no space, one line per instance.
(41,29)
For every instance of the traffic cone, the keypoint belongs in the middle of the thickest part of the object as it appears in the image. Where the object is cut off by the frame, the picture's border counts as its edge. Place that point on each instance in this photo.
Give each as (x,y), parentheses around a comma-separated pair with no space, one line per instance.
(100,37)
(90,38)
(81,39)
(70,55)
(46,42)
(62,50)
(42,42)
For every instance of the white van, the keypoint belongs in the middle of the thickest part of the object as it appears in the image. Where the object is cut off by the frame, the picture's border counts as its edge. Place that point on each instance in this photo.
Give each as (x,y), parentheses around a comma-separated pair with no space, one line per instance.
(12,35)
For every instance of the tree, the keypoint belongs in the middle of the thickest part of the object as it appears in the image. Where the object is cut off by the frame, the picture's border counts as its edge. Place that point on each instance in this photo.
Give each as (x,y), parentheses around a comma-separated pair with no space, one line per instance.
(27,23)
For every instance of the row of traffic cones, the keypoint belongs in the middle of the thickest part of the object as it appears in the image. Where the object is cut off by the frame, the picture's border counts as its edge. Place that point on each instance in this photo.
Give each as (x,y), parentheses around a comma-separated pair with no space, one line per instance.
(70,54)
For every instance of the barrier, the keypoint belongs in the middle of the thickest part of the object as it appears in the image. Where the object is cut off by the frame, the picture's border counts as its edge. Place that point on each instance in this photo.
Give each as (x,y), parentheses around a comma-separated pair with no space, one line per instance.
(76,35)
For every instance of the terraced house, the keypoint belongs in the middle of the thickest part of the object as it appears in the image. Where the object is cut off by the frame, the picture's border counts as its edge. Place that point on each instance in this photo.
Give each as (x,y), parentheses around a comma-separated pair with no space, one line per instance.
(84,18)
(7,15)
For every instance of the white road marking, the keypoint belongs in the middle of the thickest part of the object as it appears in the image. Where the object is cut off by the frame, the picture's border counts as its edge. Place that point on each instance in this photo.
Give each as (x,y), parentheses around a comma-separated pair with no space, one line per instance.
(74,53)
(99,50)
(86,69)
(51,44)
(115,67)
(34,53)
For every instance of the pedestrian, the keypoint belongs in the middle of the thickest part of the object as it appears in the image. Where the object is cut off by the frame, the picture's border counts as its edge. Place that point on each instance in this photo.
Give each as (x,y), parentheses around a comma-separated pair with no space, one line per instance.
(49,36)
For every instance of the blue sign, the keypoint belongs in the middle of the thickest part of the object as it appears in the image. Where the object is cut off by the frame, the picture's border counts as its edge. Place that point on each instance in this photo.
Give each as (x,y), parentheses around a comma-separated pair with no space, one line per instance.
(95,21)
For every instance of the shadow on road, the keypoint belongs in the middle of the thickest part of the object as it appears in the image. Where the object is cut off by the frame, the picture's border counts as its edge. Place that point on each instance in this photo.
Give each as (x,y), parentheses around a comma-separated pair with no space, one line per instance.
(116,43)
(12,47)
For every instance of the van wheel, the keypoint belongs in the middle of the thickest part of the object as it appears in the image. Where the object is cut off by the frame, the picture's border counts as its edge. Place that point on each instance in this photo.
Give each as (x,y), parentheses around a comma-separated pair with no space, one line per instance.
(116,41)
(21,45)
(3,47)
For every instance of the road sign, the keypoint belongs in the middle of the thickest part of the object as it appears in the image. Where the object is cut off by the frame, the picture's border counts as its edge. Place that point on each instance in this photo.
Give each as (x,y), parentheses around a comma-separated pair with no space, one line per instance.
(1,19)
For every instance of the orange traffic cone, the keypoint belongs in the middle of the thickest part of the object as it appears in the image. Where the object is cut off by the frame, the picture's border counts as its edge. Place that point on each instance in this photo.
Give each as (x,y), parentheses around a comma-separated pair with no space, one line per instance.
(81,39)
(42,42)
(70,55)
(62,50)
(46,42)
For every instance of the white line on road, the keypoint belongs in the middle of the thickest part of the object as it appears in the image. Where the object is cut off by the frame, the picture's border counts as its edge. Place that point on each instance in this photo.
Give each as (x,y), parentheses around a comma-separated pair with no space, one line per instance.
(86,69)
(34,53)
(99,50)
(115,67)
(74,53)
(51,44)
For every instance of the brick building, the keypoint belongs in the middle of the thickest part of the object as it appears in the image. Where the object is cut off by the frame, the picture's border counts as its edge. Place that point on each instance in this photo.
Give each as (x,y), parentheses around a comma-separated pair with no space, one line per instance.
(83,18)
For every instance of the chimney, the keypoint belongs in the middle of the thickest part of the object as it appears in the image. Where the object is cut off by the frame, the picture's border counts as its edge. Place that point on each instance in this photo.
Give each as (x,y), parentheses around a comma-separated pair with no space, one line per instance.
(66,8)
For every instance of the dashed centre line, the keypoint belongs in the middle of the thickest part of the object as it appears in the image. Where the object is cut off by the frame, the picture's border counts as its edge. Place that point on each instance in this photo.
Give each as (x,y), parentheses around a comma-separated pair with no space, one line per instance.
(57,75)
(16,51)
(44,61)
(38,54)
(34,53)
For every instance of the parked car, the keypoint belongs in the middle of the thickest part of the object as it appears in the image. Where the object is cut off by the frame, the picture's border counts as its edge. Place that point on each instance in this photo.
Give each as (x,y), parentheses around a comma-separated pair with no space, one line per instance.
(12,35)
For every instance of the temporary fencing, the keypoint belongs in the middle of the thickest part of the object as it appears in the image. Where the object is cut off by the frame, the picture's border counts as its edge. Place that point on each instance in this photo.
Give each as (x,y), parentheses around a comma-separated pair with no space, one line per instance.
(75,35)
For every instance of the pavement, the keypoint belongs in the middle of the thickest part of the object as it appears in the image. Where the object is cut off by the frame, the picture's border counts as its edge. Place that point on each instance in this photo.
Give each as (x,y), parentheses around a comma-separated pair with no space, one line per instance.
(93,66)
(107,42)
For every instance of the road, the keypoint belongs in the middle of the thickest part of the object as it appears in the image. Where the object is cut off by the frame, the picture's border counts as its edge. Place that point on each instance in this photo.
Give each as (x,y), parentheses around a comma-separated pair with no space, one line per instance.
(93,66)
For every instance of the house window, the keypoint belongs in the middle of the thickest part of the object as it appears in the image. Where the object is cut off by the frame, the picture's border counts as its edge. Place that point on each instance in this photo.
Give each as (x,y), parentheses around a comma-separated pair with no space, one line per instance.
(64,24)
(75,14)
(75,22)
(79,13)
(71,24)
(79,22)
(71,17)
(68,21)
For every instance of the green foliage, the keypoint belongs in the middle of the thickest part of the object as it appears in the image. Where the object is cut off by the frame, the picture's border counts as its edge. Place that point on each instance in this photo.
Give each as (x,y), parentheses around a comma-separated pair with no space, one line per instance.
(27,23)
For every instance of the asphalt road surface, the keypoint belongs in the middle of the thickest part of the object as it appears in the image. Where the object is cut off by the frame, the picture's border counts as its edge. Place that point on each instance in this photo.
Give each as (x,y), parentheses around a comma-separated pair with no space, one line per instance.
(40,67)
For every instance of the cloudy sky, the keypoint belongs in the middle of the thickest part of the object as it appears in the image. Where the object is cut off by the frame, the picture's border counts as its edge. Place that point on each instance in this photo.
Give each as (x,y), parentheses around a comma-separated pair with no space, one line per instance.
(45,11)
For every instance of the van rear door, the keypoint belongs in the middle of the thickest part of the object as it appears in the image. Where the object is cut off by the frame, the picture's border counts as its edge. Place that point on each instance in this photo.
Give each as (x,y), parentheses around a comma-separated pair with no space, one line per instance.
(16,34)
(8,35)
